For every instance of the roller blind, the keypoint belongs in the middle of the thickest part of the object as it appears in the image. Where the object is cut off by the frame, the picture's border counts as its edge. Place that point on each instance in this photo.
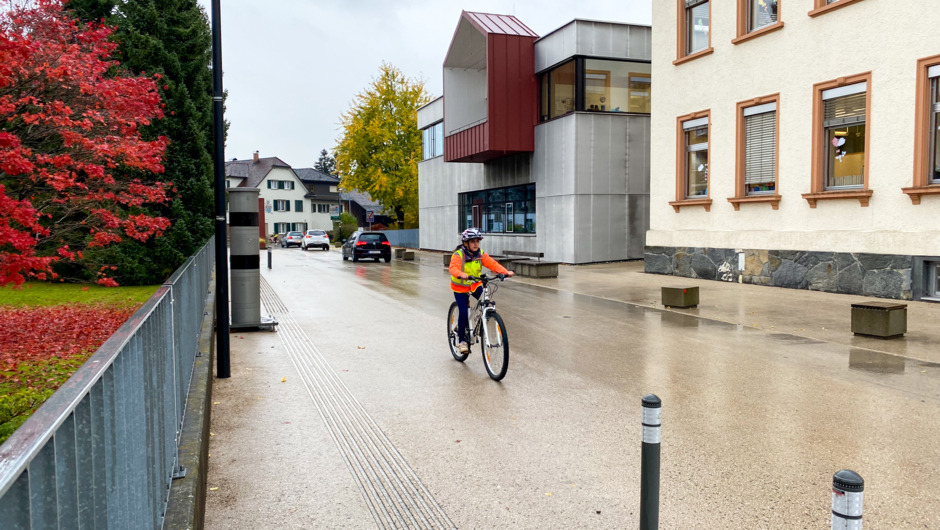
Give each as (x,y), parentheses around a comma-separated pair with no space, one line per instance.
(760,148)
(845,110)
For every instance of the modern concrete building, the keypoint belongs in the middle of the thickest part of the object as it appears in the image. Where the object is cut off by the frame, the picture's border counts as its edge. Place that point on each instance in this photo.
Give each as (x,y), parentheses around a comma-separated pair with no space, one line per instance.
(542,143)
(795,144)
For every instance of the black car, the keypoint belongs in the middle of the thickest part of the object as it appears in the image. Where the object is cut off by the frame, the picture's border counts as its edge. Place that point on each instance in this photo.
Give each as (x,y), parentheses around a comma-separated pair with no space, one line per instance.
(364,245)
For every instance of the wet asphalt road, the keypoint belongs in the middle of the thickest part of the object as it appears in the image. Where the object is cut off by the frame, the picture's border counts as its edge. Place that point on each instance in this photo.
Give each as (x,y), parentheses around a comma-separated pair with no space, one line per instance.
(754,423)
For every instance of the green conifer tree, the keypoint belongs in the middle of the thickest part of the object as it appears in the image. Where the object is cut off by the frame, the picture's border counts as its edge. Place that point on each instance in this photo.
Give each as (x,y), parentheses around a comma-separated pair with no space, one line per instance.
(172,38)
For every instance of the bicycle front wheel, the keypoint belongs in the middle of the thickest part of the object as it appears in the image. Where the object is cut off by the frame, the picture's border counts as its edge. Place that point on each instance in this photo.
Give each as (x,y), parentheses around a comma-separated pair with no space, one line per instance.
(453,337)
(496,346)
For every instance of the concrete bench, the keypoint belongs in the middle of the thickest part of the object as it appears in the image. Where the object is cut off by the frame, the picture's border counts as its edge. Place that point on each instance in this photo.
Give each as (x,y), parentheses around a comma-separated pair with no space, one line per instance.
(514,264)
(537,269)
(885,320)
(408,255)
(399,252)
(680,297)
(525,254)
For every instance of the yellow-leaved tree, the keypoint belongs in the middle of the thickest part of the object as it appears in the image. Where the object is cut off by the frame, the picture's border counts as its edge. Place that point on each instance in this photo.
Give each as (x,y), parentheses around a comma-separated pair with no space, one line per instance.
(381,144)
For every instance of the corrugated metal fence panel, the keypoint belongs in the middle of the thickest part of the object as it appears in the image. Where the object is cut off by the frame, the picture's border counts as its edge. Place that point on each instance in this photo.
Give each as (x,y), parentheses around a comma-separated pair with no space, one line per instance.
(101,452)
(403,238)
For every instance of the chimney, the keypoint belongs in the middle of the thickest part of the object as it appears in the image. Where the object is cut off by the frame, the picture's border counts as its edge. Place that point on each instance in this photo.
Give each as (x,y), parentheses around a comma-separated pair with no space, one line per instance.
(256,156)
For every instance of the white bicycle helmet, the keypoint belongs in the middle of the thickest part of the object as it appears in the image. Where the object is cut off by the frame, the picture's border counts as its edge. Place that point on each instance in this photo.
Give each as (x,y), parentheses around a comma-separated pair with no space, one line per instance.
(470,233)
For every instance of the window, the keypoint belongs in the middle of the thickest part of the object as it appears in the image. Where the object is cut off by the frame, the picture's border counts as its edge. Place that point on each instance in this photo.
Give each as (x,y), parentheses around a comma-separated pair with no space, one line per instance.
(756,155)
(500,210)
(616,86)
(323,208)
(595,85)
(281,206)
(840,140)
(934,126)
(761,13)
(228,183)
(760,149)
(298,206)
(280,184)
(697,15)
(433,137)
(844,135)
(696,159)
(558,91)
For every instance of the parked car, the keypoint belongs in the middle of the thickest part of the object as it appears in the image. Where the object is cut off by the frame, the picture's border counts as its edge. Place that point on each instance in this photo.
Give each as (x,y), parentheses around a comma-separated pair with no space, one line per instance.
(315,238)
(363,245)
(292,238)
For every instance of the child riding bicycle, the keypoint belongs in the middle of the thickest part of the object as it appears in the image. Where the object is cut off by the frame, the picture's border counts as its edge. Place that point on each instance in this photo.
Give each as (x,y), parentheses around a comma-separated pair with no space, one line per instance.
(468,260)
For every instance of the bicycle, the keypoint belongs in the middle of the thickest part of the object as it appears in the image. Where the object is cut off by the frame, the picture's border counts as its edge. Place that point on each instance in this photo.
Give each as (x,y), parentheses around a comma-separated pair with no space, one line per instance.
(486,325)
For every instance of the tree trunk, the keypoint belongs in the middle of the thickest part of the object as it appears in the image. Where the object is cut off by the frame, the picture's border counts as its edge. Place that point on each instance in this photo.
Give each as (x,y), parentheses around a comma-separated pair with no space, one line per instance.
(400,214)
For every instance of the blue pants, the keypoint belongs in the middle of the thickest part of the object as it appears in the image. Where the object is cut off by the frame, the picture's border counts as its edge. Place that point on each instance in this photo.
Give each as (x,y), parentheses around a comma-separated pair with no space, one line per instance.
(463,305)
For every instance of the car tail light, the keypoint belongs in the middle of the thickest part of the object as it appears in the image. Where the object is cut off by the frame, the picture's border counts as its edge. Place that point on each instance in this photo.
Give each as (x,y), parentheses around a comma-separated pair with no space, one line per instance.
(386,243)
(361,244)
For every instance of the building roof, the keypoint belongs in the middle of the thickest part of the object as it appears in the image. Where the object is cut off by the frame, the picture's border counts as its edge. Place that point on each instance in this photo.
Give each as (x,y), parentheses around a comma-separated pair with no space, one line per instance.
(253,172)
(362,199)
(500,24)
(308,174)
(572,21)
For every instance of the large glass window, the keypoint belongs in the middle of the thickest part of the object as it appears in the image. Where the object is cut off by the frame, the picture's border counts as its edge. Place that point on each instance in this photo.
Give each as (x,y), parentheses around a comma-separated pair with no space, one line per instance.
(433,140)
(696,159)
(761,13)
(601,86)
(500,210)
(616,86)
(558,91)
(760,149)
(844,128)
(697,25)
(934,165)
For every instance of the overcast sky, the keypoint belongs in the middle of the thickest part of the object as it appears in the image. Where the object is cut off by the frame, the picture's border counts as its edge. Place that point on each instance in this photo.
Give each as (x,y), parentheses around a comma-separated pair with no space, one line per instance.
(293,66)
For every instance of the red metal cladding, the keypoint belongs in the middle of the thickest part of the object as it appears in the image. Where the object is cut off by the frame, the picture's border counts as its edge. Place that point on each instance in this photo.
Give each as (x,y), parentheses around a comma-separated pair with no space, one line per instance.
(512,94)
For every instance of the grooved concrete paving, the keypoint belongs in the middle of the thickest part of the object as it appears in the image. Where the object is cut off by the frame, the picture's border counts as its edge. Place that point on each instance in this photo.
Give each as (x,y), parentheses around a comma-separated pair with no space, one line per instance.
(755,420)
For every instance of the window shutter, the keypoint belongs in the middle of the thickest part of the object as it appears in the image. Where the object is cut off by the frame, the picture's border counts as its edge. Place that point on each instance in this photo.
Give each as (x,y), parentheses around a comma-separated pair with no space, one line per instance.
(299,206)
(286,206)
(845,110)
(269,184)
(760,148)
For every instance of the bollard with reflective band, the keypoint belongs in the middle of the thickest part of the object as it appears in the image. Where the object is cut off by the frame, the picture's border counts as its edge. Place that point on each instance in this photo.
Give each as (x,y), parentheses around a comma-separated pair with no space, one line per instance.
(649,470)
(847,490)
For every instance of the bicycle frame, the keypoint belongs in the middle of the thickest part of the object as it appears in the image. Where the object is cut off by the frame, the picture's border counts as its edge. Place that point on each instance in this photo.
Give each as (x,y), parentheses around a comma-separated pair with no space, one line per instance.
(478,315)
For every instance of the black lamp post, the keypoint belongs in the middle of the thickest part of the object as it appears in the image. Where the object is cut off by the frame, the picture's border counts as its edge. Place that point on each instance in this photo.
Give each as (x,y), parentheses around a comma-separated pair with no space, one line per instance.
(223,364)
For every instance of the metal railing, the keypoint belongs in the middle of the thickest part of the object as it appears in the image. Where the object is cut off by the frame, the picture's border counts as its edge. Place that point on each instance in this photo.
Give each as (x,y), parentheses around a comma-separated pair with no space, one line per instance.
(101,452)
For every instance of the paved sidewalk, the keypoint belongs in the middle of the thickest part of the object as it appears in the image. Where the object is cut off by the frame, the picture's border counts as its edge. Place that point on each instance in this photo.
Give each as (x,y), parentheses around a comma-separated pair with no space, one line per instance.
(811,314)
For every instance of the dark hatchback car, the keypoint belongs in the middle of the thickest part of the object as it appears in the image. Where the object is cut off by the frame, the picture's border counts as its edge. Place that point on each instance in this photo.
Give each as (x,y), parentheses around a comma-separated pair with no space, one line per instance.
(365,245)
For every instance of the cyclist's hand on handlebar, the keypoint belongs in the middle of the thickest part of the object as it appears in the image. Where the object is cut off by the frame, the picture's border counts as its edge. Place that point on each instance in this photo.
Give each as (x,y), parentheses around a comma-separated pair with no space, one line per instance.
(510,274)
(463,276)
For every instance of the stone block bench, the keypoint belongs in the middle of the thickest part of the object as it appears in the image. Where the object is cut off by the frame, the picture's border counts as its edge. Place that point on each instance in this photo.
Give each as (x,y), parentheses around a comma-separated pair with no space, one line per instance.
(531,269)
(884,320)
(680,297)
(399,252)
(408,255)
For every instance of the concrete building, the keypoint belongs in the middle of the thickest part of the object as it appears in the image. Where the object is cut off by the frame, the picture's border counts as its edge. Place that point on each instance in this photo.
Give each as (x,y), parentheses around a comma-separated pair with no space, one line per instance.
(542,143)
(795,144)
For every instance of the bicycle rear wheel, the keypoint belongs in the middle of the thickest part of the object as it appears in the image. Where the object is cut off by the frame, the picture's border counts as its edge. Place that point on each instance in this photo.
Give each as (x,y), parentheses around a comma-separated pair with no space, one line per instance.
(453,338)
(495,347)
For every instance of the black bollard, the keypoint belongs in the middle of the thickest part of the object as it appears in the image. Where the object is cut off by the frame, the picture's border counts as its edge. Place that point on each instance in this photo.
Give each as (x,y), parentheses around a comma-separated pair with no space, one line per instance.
(269,257)
(847,490)
(649,470)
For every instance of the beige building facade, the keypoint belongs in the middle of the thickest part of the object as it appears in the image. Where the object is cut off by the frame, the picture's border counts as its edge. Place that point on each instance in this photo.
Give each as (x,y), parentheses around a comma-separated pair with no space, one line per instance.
(795,144)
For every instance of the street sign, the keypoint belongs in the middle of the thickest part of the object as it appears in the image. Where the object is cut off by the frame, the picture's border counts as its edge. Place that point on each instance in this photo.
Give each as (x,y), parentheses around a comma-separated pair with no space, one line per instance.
(370,215)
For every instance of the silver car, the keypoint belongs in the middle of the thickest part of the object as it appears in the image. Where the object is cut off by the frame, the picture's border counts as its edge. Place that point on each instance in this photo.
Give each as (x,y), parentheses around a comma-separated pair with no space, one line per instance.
(315,238)
(292,238)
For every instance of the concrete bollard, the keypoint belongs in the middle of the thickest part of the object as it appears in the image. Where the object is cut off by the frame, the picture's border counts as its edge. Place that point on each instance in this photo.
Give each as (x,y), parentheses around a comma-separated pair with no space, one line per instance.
(269,257)
(847,491)
(649,470)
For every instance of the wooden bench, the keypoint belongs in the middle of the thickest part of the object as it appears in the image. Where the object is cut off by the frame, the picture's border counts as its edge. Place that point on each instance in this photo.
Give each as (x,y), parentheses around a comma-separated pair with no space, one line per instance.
(885,320)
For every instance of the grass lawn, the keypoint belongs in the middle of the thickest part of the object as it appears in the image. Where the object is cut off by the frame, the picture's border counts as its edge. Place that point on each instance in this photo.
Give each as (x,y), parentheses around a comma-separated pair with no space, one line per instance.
(49,330)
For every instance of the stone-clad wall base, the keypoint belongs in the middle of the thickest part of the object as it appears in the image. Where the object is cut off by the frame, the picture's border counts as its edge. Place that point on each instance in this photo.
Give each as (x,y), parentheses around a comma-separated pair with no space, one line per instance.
(878,275)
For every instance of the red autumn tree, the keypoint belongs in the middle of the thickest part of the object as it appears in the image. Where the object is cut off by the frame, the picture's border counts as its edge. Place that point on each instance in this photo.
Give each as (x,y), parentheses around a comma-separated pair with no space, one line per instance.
(69,141)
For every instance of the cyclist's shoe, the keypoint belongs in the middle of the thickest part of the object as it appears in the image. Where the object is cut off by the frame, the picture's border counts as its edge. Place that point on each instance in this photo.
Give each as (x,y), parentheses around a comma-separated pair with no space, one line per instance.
(463,348)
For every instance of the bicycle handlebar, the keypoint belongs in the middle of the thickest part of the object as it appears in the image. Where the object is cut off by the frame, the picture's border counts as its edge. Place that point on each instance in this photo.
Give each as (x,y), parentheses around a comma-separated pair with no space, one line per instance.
(484,278)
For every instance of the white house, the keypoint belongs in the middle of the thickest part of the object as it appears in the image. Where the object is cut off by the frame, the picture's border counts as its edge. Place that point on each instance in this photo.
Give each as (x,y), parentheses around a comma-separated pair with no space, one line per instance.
(287,203)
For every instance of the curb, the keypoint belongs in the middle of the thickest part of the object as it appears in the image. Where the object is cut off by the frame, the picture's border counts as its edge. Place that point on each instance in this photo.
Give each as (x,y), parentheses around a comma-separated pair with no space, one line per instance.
(186,507)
